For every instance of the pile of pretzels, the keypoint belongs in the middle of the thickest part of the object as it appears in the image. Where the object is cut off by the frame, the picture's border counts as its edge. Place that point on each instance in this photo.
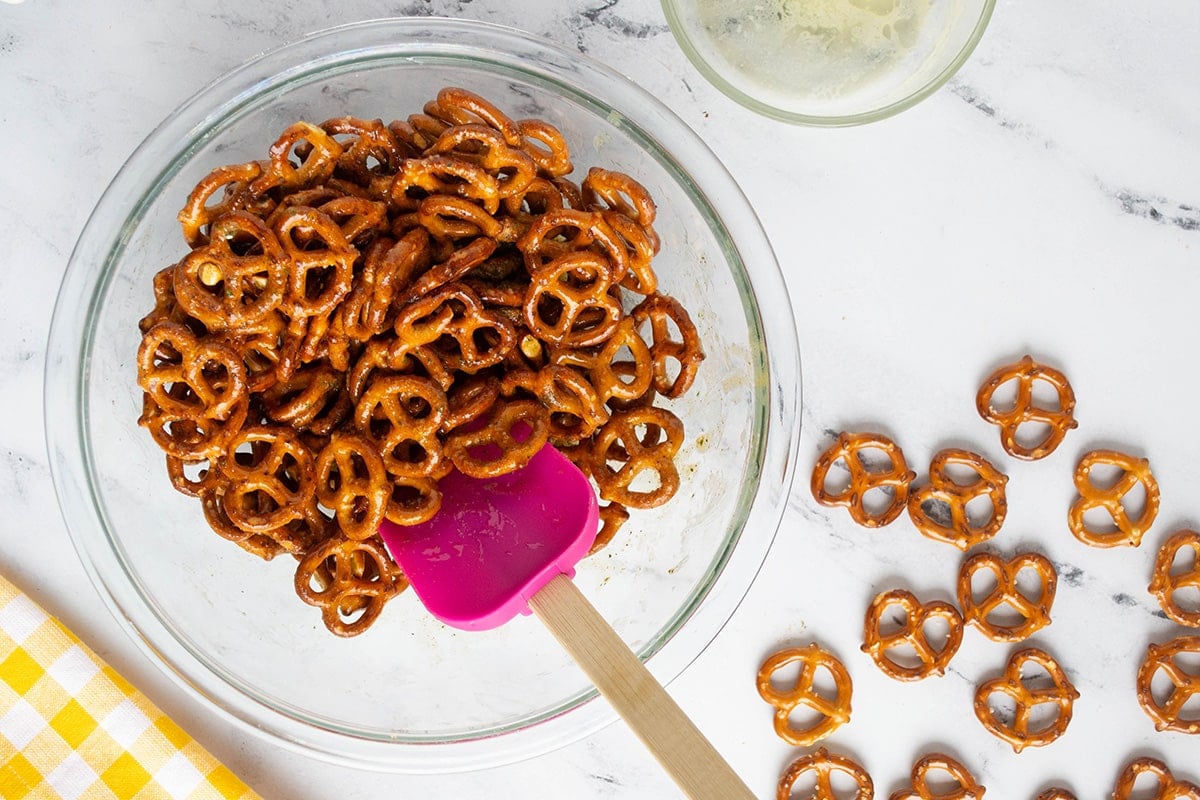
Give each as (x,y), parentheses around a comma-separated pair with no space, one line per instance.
(374,305)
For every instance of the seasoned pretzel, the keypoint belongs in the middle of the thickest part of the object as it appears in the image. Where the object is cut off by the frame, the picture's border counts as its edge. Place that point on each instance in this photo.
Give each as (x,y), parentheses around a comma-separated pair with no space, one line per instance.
(322,261)
(632,442)
(943,489)
(613,377)
(568,303)
(468,399)
(575,408)
(663,312)
(316,154)
(1166,785)
(966,787)
(824,764)
(911,633)
(1167,712)
(566,230)
(832,712)
(605,189)
(186,435)
(486,146)
(463,107)
(312,399)
(453,321)
(199,213)
(358,218)
(1017,732)
(401,415)
(189,378)
(272,476)
(388,268)
(412,501)
(178,469)
(235,280)
(1134,471)
(1166,582)
(364,141)
(849,449)
(353,481)
(350,581)
(1034,611)
(212,502)
(444,175)
(546,146)
(512,432)
(612,517)
(1059,420)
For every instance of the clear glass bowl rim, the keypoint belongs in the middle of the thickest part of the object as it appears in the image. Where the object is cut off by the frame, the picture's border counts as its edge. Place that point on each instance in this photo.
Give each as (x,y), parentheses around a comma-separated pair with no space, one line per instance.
(116,214)
(671,8)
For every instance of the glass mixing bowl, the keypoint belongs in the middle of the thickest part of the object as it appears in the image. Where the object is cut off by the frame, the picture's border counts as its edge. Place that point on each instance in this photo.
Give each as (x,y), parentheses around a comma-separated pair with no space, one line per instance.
(828,62)
(411,694)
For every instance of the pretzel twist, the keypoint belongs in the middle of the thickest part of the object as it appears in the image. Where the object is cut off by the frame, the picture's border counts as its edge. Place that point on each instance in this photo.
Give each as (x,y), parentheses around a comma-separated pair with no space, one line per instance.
(1019,732)
(1166,582)
(965,785)
(1034,611)
(350,581)
(1168,712)
(832,712)
(621,454)
(911,633)
(850,449)
(1166,785)
(1058,420)
(353,481)
(513,431)
(944,491)
(823,765)
(1128,531)
(401,416)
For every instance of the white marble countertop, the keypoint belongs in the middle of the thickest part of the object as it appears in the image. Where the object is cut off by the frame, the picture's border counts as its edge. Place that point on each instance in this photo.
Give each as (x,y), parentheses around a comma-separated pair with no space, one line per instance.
(1046,201)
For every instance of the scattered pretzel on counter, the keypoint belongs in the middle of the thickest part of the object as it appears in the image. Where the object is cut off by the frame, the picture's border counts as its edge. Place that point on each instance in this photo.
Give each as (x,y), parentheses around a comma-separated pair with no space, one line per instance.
(372,305)
(965,786)
(1020,731)
(1025,410)
(1034,612)
(823,765)
(1166,581)
(1168,710)
(954,496)
(1166,785)
(1111,498)
(930,660)
(865,475)
(832,712)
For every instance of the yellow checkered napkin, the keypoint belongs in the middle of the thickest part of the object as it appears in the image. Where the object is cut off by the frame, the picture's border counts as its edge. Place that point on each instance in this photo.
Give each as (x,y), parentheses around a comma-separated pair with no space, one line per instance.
(72,728)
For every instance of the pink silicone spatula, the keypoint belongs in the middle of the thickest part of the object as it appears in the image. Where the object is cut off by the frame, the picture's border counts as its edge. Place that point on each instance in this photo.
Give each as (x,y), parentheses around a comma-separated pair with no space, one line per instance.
(508,545)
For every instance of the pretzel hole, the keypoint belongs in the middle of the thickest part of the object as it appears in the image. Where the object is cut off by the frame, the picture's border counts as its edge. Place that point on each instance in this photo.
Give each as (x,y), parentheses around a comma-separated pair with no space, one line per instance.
(980,510)
(878,499)
(318,280)
(1147,786)
(1104,476)
(1043,716)
(942,783)
(409,451)
(1044,395)
(1032,433)
(1004,396)
(1186,598)
(842,785)
(1003,707)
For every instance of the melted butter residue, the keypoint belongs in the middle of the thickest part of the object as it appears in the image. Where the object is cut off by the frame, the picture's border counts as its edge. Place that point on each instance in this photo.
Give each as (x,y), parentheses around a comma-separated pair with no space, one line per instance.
(818,48)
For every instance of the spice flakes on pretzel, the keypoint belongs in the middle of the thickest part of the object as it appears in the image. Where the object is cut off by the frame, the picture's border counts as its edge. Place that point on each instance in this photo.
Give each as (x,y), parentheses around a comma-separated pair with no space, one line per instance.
(1169,583)
(945,491)
(1170,710)
(1021,730)
(832,712)
(858,453)
(375,303)
(1033,612)
(1056,419)
(1111,498)
(823,765)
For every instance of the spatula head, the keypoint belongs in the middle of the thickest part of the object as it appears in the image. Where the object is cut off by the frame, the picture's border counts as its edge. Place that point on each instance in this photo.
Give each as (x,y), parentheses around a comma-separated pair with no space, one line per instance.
(497,541)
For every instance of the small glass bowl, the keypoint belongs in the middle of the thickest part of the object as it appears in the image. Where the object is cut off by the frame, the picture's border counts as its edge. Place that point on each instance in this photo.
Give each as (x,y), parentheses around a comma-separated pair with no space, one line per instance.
(411,694)
(828,62)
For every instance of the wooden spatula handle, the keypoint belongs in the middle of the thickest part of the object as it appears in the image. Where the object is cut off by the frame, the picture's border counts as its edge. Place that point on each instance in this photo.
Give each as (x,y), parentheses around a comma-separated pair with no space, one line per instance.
(679,746)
